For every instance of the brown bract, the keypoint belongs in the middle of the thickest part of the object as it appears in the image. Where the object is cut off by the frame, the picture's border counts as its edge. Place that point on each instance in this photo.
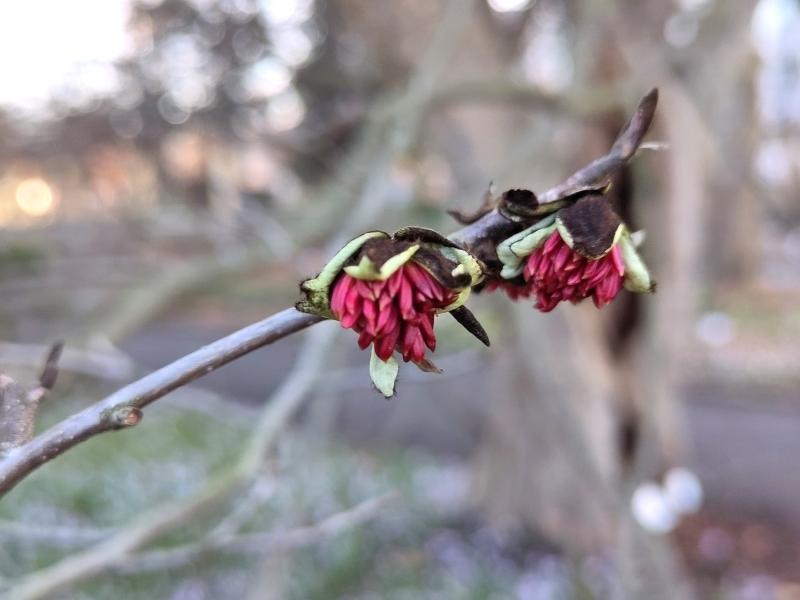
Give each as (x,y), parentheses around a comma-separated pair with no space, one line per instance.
(592,225)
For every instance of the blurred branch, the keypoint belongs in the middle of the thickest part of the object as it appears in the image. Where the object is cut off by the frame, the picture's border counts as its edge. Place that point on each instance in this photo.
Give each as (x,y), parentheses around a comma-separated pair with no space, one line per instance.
(578,103)
(262,542)
(147,298)
(52,535)
(103,365)
(19,405)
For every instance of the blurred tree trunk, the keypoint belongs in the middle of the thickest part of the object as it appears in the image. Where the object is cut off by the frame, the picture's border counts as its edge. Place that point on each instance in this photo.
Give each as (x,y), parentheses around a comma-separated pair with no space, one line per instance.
(649,342)
(548,458)
(734,238)
(544,463)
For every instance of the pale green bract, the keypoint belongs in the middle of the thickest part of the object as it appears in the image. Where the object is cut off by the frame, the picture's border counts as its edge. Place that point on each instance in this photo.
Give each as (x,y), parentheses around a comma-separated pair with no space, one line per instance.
(513,251)
(383,374)
(467,264)
(637,277)
(317,300)
(367,271)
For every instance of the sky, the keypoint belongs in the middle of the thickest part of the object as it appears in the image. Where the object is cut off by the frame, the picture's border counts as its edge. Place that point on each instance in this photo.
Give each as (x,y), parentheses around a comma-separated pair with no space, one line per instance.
(68,45)
(42,43)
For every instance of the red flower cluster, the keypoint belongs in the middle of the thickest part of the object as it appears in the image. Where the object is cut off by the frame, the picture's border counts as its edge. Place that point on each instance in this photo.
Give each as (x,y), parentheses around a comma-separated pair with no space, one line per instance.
(555,272)
(396,313)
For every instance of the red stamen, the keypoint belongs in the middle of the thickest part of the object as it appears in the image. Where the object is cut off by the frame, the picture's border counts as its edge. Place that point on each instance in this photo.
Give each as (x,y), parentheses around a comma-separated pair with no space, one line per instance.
(556,273)
(396,314)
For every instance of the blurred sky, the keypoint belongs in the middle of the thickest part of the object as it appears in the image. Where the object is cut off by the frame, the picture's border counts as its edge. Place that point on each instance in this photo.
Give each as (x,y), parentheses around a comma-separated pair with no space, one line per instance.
(45,44)
(65,48)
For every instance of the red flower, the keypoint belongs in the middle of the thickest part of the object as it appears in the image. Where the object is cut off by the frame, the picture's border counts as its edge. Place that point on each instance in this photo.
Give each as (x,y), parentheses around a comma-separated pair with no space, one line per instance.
(554,272)
(396,313)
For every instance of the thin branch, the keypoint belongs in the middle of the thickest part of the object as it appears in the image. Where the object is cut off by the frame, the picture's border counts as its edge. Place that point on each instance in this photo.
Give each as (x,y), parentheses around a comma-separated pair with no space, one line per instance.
(621,152)
(104,365)
(123,408)
(20,404)
(262,542)
(278,411)
(52,535)
(578,103)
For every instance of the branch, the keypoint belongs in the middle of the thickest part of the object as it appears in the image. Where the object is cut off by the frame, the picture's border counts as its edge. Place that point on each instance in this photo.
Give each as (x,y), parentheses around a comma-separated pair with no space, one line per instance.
(19,404)
(261,542)
(278,410)
(123,408)
(104,365)
(51,535)
(579,103)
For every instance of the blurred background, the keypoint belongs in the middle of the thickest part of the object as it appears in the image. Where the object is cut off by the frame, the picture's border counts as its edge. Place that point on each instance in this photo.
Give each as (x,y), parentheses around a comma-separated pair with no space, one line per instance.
(170,169)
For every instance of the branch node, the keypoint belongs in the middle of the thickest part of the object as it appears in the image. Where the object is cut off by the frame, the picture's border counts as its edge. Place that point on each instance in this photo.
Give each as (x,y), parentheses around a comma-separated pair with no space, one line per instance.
(125,416)
(488,202)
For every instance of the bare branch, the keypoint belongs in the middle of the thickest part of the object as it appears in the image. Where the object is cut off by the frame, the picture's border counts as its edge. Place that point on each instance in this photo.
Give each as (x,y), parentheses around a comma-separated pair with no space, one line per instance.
(479,236)
(19,404)
(120,408)
(621,152)
(52,535)
(85,362)
(262,542)
(578,103)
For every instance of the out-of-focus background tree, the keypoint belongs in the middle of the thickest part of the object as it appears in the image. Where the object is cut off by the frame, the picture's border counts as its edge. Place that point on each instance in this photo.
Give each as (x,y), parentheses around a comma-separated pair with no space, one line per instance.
(169,169)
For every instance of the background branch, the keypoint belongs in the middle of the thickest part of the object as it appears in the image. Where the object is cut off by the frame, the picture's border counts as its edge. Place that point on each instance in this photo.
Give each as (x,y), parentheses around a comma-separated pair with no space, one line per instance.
(20,404)
(261,542)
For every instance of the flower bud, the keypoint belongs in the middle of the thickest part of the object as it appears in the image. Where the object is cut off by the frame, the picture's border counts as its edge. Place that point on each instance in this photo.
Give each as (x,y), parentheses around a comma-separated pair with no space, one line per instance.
(389,289)
(582,250)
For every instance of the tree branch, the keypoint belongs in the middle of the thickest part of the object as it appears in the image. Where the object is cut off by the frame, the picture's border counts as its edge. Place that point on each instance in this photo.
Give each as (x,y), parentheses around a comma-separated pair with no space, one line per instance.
(123,408)
(261,542)
(579,103)
(19,404)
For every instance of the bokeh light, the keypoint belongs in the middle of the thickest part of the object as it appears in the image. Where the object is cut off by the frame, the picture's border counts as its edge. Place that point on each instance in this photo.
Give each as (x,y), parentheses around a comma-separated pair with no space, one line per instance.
(285,111)
(35,197)
(503,6)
